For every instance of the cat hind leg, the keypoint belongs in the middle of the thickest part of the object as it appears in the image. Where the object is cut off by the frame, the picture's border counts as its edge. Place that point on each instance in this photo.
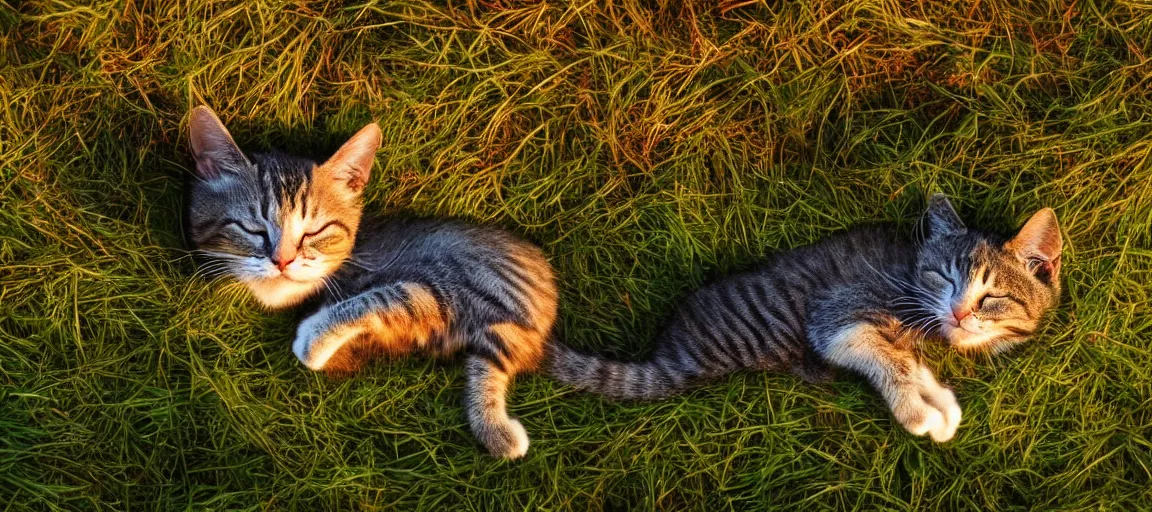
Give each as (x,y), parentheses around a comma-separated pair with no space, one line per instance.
(487,409)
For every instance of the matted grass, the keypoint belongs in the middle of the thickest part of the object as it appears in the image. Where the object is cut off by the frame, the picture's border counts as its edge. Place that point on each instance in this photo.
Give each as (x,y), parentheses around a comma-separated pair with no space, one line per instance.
(647,146)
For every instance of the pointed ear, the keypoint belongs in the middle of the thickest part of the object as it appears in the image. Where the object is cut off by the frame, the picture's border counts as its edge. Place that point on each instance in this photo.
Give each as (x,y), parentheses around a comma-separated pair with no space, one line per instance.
(941,218)
(1038,245)
(352,163)
(212,146)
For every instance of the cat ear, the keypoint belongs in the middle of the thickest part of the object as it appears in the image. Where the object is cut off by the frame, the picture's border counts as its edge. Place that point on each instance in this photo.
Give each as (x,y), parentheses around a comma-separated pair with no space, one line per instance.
(941,218)
(352,163)
(212,146)
(1038,245)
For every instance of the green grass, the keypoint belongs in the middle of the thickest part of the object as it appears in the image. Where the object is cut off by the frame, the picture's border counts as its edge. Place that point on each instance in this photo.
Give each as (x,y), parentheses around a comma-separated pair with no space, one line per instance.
(648,147)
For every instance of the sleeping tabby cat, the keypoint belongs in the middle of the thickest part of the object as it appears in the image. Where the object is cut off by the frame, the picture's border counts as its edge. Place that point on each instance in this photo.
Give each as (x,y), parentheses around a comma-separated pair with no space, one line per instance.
(293,232)
(859,300)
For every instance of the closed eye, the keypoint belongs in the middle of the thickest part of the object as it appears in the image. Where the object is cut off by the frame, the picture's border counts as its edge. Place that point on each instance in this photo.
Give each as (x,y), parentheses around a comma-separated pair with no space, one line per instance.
(940,276)
(267,242)
(319,239)
(1009,297)
(330,224)
(253,232)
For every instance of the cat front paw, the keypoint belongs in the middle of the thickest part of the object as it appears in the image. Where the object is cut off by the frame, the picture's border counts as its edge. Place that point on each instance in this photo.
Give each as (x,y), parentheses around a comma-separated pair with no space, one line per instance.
(926,407)
(919,418)
(303,346)
(943,400)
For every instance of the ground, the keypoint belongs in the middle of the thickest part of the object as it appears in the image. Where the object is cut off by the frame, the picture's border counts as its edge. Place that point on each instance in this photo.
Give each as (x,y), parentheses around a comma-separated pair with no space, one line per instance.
(647,146)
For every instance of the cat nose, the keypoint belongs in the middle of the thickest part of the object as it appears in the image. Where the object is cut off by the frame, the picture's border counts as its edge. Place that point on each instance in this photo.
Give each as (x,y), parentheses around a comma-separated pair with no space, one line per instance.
(283,264)
(960,314)
(281,261)
(283,256)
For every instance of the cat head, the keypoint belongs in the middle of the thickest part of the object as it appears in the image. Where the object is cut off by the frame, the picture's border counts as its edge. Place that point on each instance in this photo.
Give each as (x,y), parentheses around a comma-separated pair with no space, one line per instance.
(983,292)
(280,224)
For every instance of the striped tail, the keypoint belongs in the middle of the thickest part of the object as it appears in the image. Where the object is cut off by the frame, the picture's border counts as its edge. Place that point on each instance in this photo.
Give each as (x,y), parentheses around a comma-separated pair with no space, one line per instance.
(647,380)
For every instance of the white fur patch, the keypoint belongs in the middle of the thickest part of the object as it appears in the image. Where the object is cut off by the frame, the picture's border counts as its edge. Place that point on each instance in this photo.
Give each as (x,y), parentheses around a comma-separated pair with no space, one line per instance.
(520,445)
(932,421)
(277,293)
(943,400)
(313,347)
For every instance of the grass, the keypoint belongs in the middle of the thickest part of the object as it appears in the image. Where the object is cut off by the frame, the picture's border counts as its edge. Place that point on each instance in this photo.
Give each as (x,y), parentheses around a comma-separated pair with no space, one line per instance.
(647,146)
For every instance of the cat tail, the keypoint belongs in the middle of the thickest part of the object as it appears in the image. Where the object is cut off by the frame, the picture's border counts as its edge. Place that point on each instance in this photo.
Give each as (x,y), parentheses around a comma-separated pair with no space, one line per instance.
(658,377)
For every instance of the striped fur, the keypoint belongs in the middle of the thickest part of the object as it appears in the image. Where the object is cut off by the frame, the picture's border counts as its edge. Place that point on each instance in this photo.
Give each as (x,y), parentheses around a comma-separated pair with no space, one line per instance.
(859,300)
(293,232)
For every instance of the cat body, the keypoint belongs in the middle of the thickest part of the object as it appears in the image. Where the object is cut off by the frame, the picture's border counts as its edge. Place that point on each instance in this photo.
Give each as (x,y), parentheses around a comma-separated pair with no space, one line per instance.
(294,233)
(860,300)
(439,288)
(467,287)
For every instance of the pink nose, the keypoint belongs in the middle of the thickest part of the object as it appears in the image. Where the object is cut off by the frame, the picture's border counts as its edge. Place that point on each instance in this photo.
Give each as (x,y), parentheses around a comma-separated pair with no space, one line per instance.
(283,263)
(960,314)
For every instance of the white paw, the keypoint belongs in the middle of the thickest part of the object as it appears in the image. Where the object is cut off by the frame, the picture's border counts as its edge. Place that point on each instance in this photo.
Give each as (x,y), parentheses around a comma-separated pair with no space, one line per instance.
(306,334)
(519,445)
(926,420)
(944,400)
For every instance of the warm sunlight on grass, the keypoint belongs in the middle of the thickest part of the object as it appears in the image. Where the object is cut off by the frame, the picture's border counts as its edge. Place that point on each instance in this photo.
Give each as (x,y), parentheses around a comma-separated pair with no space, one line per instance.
(647,149)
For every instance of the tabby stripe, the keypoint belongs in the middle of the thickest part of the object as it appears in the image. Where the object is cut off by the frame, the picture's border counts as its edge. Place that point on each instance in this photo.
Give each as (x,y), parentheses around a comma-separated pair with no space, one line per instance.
(386,299)
(485,353)
(668,372)
(715,333)
(809,274)
(408,304)
(691,363)
(780,291)
(730,346)
(510,307)
(519,294)
(781,329)
(796,315)
(507,280)
(514,274)
(750,309)
(602,371)
(736,340)
(262,176)
(501,284)
(701,340)
(641,381)
(774,328)
(612,377)
(500,344)
(482,293)
(762,296)
(792,342)
(756,316)
(655,378)
(742,330)
(436,291)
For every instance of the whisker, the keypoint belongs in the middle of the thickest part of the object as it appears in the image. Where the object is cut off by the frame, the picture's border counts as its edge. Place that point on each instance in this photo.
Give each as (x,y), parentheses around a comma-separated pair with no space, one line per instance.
(357,264)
